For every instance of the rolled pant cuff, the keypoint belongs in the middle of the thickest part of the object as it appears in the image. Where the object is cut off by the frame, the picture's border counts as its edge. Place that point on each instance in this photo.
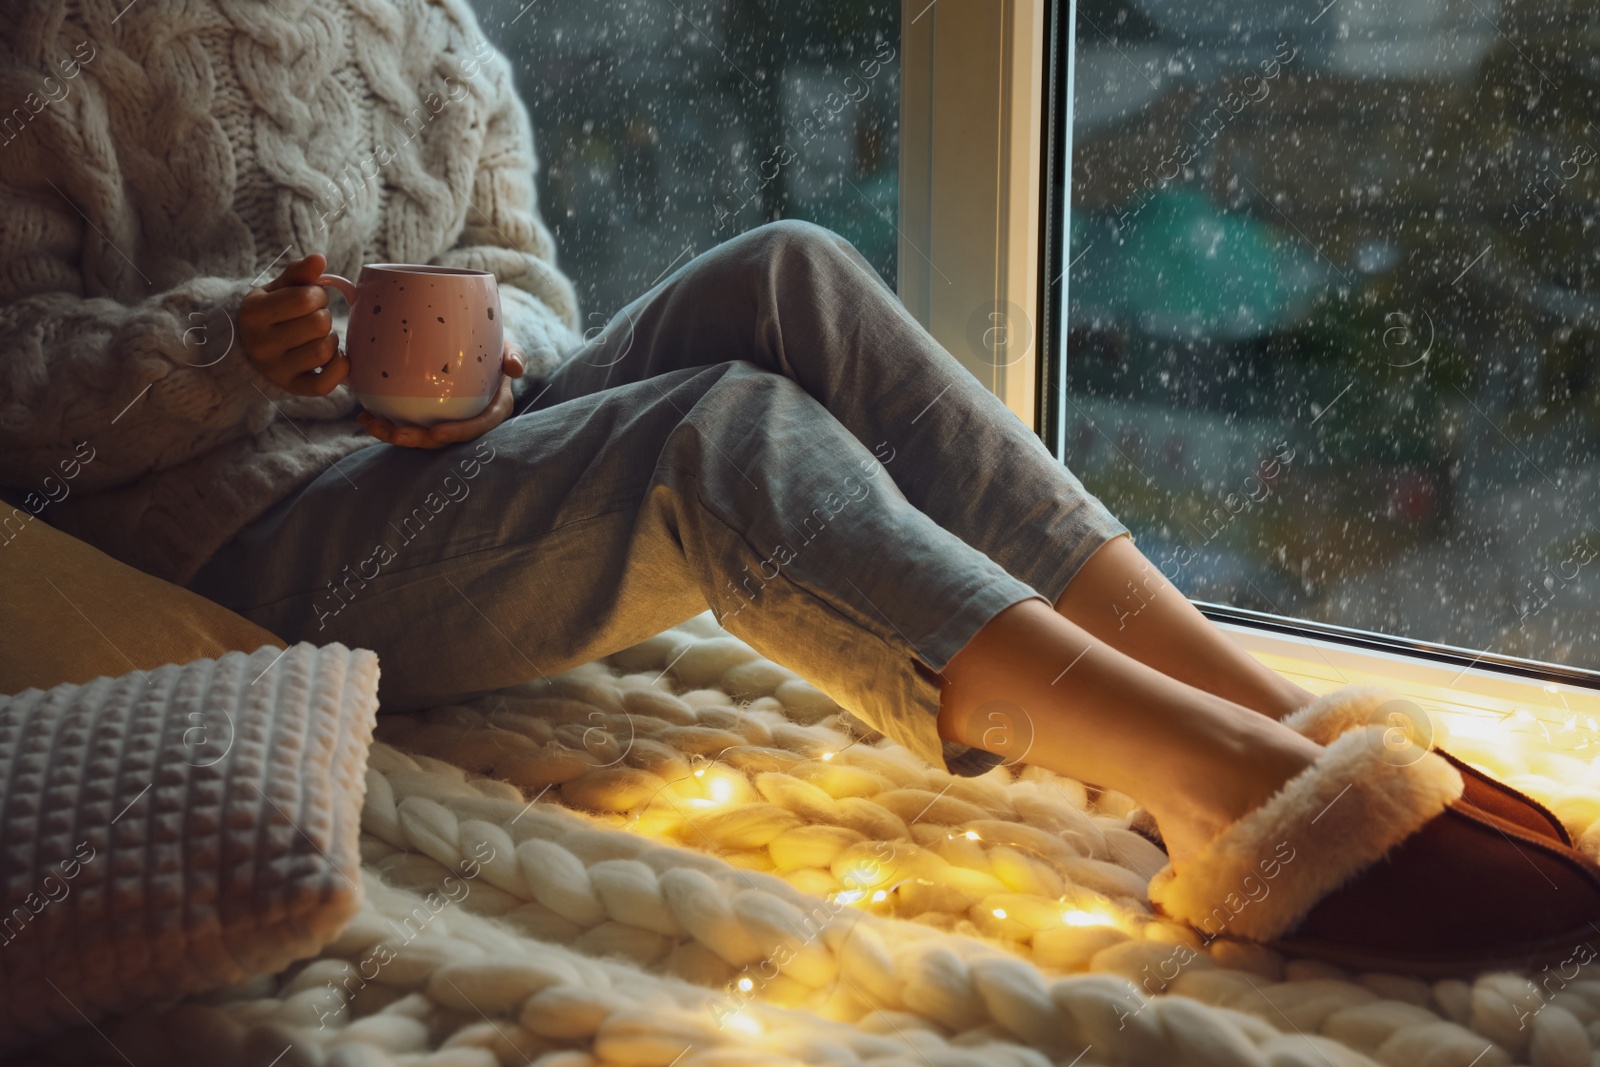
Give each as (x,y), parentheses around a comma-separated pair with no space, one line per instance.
(965,760)
(925,692)
(1103,529)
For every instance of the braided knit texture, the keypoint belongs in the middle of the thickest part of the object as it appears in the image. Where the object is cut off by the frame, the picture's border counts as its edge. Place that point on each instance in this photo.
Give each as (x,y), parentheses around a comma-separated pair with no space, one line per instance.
(159,160)
(685,856)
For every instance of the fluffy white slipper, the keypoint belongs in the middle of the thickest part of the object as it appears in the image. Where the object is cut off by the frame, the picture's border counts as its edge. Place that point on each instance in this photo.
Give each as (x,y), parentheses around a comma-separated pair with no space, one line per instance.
(1260,877)
(1324,719)
(1409,730)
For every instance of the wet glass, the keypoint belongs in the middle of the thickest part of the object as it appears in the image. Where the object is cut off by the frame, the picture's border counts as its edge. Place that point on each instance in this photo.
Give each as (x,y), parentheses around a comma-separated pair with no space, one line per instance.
(1332,312)
(663,127)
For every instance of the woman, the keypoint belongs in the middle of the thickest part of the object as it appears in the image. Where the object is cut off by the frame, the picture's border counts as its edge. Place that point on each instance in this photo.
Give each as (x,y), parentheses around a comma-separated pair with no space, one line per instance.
(766,431)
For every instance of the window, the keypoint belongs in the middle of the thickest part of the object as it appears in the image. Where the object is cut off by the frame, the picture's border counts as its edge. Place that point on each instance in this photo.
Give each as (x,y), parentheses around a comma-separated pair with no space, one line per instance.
(1332,316)
(663,127)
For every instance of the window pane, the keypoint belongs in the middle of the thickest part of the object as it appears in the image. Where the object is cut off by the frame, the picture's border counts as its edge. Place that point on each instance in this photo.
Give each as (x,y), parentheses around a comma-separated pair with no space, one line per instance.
(664,127)
(1332,309)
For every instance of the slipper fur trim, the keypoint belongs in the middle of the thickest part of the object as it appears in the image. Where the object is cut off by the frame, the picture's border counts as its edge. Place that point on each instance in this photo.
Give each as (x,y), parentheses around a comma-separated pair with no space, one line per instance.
(1261,876)
(1334,714)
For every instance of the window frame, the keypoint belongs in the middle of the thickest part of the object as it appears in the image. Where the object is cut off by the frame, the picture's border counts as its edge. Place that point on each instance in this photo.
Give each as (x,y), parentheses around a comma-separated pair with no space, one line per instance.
(972,101)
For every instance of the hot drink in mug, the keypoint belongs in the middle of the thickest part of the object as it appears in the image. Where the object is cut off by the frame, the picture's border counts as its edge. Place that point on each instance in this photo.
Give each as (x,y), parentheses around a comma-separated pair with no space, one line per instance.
(424,342)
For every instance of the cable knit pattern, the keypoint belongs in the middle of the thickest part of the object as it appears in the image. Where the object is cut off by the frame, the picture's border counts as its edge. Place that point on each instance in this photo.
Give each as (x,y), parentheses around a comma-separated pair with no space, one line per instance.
(176,155)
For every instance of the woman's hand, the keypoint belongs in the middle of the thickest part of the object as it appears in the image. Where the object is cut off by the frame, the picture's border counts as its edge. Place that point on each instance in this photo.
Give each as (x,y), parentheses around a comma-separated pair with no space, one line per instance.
(286,330)
(449,433)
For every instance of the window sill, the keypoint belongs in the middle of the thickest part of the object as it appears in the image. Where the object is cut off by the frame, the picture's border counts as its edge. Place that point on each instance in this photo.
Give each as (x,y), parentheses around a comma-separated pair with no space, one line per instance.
(1510,717)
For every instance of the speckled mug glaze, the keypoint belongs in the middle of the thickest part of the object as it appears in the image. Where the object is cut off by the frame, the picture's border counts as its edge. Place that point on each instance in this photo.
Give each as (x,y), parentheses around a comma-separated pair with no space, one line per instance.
(424,342)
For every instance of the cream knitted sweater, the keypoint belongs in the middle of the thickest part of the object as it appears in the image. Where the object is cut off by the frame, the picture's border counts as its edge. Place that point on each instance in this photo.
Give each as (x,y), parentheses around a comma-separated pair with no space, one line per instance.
(158,160)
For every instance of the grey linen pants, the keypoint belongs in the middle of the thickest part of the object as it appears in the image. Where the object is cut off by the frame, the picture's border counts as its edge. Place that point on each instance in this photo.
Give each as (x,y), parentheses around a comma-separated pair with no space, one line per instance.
(766,432)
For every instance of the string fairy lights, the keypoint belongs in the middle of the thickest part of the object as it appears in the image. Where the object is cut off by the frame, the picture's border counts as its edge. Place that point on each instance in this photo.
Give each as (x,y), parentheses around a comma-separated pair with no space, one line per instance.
(1043,869)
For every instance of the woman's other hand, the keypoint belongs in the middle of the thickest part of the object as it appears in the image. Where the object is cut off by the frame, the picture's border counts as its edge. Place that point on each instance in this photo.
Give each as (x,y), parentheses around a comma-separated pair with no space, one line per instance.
(449,433)
(287,330)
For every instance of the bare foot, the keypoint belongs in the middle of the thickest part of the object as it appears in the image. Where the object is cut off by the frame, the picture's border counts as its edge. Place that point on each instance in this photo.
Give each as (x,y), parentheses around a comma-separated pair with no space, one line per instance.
(1199,793)
(1034,686)
(1285,699)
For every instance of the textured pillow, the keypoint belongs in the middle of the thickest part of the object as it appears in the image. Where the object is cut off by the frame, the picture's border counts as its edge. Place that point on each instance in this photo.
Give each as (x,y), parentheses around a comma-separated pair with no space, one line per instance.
(72,613)
(175,830)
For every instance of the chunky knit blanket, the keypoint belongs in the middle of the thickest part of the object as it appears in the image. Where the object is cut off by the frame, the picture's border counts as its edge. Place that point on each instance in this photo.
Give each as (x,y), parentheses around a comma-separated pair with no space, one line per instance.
(685,855)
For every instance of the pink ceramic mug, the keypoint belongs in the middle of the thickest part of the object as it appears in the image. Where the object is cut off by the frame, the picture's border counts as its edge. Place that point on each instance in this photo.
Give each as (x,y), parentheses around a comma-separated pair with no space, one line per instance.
(424,342)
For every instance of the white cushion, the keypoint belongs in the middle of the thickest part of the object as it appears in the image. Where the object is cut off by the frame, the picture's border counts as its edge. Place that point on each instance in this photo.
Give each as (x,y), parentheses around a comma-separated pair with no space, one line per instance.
(175,830)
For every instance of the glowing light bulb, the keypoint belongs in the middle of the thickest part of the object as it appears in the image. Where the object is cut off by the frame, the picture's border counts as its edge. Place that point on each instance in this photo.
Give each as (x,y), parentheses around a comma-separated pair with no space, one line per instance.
(849,896)
(999,913)
(879,897)
(972,835)
(1478,727)
(701,773)
(827,755)
(1079,917)
(721,790)
(746,985)
(861,876)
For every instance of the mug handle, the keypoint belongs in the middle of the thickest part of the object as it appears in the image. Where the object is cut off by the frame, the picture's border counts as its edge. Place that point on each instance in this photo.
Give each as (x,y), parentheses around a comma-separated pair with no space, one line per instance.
(345,286)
